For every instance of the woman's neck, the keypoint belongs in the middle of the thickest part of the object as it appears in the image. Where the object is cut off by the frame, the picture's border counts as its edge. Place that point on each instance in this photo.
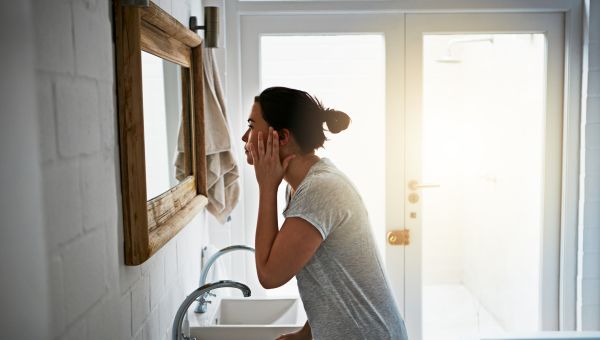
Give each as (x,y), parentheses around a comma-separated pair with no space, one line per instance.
(298,168)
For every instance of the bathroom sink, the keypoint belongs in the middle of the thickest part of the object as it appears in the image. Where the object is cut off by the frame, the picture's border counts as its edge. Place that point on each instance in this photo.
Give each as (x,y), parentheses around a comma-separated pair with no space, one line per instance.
(249,319)
(257,312)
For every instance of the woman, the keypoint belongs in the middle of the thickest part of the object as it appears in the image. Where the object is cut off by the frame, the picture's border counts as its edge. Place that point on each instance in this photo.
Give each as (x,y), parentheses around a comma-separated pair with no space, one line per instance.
(325,240)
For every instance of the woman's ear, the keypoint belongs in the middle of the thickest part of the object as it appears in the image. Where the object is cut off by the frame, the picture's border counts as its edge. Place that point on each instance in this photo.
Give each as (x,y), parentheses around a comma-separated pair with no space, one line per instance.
(284,136)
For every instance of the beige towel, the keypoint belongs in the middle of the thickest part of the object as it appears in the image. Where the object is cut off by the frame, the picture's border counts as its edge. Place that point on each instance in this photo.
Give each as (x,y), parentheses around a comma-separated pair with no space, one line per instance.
(180,171)
(222,169)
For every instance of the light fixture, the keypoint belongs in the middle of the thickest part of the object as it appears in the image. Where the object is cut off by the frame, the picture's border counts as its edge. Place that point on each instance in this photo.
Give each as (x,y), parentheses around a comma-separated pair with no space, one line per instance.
(211,26)
(139,3)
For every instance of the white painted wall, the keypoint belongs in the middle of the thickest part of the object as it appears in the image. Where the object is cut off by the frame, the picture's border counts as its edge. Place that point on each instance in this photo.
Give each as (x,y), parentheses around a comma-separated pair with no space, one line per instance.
(93,295)
(588,299)
(23,270)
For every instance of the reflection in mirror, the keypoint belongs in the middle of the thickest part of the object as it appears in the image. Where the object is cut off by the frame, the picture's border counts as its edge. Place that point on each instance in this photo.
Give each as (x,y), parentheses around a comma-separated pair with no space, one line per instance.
(166,124)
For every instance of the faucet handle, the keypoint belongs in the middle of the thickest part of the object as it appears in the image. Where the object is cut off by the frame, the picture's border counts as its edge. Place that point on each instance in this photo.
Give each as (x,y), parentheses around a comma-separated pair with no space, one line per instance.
(202,298)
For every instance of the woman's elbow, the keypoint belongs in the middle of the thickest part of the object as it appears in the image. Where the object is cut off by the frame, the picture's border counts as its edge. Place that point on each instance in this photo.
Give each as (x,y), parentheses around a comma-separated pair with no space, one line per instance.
(270,282)
(266,284)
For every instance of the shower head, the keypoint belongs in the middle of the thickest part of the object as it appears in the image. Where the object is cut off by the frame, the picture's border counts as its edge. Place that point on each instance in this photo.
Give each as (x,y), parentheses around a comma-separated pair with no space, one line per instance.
(448,58)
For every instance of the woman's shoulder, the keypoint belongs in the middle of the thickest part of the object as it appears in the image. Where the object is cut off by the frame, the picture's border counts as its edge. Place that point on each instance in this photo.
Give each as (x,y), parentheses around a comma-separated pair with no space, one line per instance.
(326,179)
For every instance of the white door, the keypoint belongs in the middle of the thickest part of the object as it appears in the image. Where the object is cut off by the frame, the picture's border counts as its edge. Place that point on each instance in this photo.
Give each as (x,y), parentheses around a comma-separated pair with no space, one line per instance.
(483,153)
(323,53)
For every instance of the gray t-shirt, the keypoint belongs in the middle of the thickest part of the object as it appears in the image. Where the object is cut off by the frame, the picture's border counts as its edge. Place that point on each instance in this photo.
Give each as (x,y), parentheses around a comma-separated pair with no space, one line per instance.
(343,286)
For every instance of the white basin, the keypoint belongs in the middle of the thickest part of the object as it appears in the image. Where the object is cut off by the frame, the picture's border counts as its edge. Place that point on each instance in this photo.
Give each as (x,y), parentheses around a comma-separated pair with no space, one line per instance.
(240,332)
(250,319)
(257,312)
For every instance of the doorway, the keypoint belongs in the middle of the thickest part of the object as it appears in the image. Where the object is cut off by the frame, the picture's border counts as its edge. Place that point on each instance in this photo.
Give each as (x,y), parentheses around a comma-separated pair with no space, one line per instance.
(483,166)
(426,58)
(483,124)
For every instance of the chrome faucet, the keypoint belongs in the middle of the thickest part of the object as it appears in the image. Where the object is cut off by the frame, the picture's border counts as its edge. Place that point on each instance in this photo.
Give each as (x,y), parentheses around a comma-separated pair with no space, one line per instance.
(177,331)
(202,300)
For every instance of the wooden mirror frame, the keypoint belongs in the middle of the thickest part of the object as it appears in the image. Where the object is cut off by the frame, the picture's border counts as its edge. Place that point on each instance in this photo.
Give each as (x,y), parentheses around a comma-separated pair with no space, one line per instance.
(150,224)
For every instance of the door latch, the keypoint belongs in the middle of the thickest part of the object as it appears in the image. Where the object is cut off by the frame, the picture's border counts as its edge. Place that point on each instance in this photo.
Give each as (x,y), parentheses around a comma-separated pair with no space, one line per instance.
(399,237)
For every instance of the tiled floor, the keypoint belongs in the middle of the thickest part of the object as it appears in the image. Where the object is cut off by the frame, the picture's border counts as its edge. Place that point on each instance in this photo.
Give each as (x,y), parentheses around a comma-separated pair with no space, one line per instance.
(450,312)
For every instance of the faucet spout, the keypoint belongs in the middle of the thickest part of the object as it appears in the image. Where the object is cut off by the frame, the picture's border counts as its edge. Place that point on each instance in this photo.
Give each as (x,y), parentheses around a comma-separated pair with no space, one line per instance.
(181,312)
(202,302)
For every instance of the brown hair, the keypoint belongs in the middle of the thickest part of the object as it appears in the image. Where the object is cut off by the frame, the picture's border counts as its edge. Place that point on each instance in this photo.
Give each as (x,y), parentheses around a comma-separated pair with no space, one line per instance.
(302,114)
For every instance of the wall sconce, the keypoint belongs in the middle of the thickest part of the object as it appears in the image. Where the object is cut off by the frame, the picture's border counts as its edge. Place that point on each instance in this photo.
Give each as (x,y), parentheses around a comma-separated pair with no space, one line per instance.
(211,26)
(138,3)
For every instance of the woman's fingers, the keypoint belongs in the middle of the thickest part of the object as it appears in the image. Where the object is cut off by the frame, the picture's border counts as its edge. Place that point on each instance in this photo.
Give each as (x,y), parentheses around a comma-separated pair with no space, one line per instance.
(269,151)
(253,153)
(275,147)
(261,145)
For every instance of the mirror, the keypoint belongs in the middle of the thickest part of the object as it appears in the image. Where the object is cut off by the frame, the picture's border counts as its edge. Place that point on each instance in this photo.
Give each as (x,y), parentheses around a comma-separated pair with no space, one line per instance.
(166,124)
(160,99)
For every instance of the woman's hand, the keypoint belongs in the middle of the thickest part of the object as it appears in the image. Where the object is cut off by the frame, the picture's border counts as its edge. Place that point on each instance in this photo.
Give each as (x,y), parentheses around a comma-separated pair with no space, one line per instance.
(293,336)
(303,333)
(268,167)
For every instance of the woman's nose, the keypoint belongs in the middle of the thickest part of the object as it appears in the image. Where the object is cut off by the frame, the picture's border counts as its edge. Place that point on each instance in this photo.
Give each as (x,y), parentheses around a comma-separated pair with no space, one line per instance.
(245,137)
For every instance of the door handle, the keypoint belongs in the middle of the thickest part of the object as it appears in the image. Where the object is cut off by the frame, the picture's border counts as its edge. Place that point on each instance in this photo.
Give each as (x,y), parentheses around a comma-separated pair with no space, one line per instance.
(414,185)
(400,237)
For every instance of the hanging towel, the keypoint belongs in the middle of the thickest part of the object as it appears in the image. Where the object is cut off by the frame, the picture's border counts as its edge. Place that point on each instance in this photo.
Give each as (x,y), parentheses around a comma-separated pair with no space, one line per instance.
(222,169)
(180,167)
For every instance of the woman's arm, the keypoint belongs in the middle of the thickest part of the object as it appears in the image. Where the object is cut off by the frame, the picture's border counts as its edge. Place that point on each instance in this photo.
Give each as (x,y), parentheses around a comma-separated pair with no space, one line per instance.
(280,254)
(303,333)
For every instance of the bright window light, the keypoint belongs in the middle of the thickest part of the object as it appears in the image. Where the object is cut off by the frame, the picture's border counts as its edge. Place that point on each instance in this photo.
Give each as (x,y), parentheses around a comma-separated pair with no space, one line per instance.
(345,72)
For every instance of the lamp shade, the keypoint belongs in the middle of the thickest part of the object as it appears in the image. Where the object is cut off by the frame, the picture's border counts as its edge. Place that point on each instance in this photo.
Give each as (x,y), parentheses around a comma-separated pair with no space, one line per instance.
(211,26)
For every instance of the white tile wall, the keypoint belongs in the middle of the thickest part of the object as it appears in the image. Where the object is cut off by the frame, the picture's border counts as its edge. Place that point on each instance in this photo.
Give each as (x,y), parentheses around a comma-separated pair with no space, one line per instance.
(99,317)
(125,315)
(140,301)
(57,296)
(594,116)
(62,180)
(93,52)
(83,270)
(54,36)
(77,116)
(45,94)
(589,276)
(93,294)
(77,331)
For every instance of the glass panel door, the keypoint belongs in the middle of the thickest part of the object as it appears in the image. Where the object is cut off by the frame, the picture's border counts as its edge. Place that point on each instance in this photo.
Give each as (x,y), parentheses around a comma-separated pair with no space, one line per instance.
(482,142)
(483,135)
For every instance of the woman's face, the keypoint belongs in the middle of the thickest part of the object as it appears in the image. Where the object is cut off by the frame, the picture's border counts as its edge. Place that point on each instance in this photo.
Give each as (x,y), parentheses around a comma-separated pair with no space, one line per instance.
(256,123)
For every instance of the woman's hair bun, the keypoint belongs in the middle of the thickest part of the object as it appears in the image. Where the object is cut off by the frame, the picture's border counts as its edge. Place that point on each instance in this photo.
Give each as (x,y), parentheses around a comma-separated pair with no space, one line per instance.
(336,120)
(302,114)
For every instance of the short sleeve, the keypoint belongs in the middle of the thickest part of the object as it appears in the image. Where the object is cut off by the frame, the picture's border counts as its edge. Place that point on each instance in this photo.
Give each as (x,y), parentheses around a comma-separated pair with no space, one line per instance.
(320,202)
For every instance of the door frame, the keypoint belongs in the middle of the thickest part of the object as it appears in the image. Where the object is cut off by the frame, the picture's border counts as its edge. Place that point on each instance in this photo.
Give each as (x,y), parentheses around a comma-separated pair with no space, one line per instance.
(550,24)
(235,10)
